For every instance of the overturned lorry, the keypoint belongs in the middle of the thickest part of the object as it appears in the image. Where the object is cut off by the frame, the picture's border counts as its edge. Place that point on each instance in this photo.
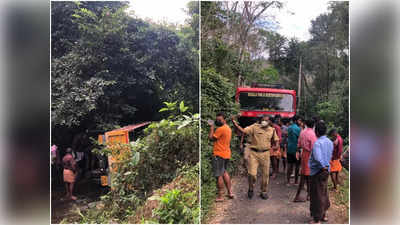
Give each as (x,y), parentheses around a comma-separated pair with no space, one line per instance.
(118,141)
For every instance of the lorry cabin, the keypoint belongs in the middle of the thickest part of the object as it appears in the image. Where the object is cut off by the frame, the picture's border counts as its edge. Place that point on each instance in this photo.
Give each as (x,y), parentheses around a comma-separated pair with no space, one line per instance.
(260,99)
(118,140)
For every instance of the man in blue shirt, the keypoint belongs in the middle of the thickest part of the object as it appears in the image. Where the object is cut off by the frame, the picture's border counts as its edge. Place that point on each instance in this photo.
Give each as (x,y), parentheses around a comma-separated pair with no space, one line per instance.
(319,171)
(292,139)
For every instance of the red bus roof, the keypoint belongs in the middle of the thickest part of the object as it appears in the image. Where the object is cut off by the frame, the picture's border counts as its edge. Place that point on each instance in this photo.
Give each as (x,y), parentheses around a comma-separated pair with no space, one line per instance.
(259,113)
(269,90)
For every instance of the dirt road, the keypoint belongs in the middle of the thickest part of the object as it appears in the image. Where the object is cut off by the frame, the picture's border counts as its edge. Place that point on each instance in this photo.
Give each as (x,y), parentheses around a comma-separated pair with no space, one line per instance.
(86,190)
(278,209)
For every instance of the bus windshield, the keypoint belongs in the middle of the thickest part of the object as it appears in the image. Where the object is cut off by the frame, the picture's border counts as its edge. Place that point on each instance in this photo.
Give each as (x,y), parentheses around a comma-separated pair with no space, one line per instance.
(261,101)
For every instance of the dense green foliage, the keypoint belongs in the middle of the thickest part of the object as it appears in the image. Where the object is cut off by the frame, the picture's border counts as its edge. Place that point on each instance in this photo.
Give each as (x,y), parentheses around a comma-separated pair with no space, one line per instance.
(181,205)
(176,207)
(111,69)
(179,201)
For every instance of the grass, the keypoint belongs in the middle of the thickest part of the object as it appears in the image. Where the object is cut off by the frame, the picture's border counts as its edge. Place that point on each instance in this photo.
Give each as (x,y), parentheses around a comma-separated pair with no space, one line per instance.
(341,198)
(208,195)
(186,182)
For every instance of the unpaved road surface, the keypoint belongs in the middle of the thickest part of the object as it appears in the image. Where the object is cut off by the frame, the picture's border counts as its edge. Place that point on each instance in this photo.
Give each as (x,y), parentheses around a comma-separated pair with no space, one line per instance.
(278,209)
(87,191)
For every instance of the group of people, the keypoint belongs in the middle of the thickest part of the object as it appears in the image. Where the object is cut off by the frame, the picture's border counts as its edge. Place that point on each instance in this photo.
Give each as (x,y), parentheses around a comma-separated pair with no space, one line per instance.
(304,145)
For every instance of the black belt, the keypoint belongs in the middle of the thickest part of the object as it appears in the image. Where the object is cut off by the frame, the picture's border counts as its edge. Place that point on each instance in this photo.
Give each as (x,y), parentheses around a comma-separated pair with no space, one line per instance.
(256,150)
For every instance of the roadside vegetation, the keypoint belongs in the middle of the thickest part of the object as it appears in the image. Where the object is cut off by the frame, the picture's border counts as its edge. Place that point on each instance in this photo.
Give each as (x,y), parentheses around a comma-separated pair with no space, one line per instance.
(167,154)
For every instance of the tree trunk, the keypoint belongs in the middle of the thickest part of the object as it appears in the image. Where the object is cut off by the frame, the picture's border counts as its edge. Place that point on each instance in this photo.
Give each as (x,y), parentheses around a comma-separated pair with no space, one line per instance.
(327,75)
(299,88)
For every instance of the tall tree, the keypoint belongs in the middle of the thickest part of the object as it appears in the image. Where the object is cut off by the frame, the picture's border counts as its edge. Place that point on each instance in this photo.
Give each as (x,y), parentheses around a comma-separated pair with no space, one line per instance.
(236,25)
(325,64)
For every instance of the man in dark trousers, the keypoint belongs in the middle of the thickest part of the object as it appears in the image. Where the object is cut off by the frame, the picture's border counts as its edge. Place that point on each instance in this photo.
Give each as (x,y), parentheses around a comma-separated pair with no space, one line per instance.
(319,173)
(284,128)
(306,141)
(293,161)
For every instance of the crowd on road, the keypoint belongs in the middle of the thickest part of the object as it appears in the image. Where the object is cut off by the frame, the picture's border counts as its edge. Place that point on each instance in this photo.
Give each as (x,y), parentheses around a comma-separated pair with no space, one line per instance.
(303,145)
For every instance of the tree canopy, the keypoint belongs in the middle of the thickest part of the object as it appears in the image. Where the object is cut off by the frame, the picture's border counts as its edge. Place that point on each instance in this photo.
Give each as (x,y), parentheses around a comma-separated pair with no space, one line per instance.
(110,69)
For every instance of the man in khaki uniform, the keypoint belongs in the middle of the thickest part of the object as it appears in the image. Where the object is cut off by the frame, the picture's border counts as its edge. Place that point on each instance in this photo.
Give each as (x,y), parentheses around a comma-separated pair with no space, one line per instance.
(262,135)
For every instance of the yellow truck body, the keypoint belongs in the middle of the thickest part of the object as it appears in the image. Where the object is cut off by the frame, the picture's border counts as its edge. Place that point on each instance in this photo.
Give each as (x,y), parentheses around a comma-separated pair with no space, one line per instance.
(118,141)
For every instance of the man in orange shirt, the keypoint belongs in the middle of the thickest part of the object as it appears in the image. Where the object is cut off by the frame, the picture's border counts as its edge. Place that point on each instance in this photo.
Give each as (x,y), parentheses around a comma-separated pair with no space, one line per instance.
(221,154)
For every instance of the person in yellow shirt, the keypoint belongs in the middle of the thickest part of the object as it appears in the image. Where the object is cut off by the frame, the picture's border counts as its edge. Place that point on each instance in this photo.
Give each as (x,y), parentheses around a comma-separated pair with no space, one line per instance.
(221,154)
(263,140)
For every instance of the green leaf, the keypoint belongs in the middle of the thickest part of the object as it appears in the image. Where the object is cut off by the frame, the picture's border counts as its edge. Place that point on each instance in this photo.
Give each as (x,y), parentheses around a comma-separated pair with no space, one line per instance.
(184,124)
(182,107)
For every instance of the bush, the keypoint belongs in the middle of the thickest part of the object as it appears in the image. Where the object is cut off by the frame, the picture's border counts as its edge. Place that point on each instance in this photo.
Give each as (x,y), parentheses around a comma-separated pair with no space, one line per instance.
(177,207)
(179,202)
(170,145)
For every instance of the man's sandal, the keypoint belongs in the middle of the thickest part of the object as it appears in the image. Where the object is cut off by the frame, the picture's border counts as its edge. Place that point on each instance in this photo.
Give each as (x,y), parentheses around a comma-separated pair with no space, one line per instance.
(232,196)
(219,199)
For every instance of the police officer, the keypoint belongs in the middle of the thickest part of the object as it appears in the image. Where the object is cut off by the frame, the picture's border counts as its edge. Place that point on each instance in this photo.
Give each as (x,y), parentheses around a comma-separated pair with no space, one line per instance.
(263,138)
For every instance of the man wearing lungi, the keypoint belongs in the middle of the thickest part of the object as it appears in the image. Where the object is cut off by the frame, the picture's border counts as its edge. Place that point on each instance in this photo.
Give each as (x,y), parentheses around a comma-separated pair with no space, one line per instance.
(319,173)
(336,166)
(306,142)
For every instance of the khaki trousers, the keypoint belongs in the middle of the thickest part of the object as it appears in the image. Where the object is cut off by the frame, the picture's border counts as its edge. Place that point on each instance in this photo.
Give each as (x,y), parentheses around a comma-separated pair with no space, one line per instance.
(246,156)
(256,159)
